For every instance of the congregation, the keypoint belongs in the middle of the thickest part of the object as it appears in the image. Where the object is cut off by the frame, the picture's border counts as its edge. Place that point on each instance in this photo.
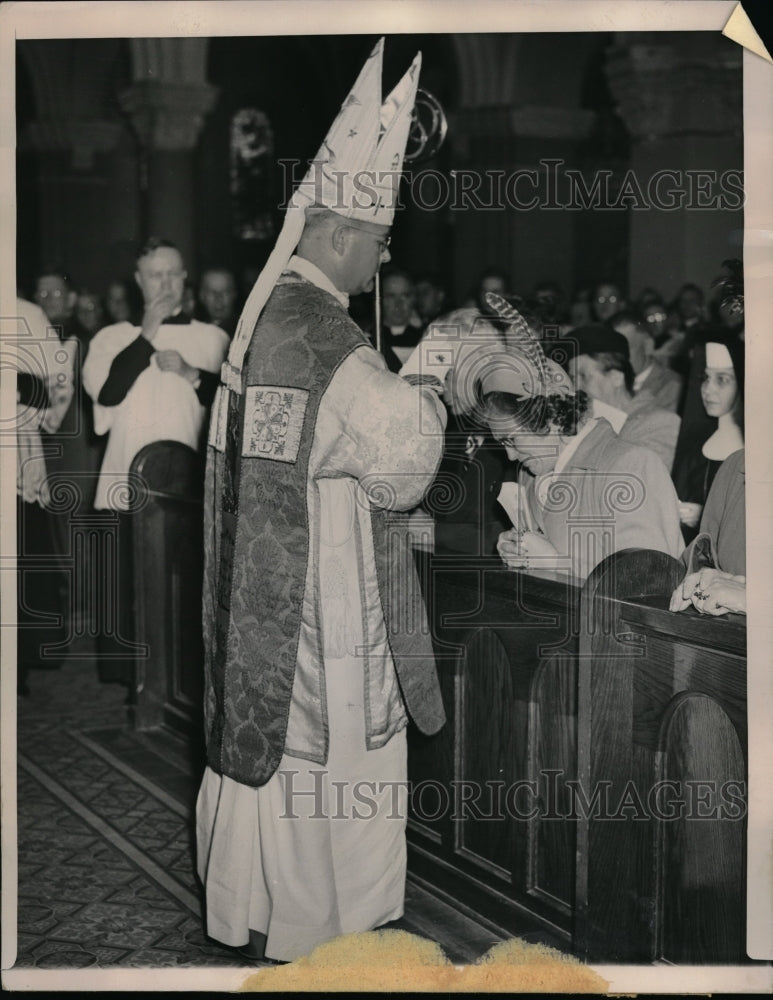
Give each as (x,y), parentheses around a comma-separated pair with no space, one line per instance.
(665,369)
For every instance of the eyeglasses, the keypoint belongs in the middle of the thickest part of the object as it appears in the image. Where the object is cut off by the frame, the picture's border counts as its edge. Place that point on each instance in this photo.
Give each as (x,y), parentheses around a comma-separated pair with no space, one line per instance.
(508,442)
(656,317)
(383,242)
(606,298)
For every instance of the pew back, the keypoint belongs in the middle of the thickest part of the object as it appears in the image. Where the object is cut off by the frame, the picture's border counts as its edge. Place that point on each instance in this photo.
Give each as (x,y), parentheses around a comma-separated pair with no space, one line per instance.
(662,732)
(579,717)
(167,529)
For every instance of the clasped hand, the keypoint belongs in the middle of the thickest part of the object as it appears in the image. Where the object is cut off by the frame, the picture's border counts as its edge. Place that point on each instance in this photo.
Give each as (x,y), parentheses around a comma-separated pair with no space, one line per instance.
(712,592)
(173,361)
(521,549)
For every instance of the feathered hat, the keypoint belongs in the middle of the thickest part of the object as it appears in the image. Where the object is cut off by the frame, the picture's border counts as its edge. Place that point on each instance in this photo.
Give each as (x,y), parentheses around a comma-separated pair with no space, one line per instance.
(519,366)
(356,173)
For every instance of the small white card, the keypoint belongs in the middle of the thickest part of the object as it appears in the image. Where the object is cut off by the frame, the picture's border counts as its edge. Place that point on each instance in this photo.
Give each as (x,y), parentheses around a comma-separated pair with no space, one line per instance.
(435,356)
(512,497)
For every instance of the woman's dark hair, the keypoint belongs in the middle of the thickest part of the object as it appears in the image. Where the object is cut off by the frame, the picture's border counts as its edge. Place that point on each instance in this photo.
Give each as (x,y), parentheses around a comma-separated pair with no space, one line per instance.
(536,413)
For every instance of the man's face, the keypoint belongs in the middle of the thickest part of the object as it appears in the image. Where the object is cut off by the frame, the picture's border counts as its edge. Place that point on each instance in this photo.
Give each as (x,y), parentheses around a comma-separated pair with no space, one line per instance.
(397,300)
(655,318)
(690,303)
(607,301)
(428,299)
(588,375)
(367,250)
(493,283)
(161,274)
(54,298)
(218,295)
(117,303)
(88,309)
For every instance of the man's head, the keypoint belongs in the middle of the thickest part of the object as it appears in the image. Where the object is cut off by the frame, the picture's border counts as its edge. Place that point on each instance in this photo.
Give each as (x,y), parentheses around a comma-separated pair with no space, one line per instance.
(689,303)
(602,366)
(607,299)
(548,301)
(217,293)
(641,342)
(493,279)
(160,273)
(117,302)
(429,296)
(656,318)
(397,297)
(348,251)
(55,295)
(89,311)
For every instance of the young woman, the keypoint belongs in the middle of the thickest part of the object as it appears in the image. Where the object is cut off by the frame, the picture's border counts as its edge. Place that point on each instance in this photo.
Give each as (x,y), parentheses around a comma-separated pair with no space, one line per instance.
(583,492)
(721,393)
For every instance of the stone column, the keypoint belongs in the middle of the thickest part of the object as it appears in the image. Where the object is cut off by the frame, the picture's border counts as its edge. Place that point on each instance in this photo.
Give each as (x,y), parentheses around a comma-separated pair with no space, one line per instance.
(683,109)
(520,153)
(168,117)
(68,160)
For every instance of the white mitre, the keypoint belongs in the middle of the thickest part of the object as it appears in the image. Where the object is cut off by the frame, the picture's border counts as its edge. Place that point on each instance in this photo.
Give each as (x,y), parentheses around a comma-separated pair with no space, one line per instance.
(356,174)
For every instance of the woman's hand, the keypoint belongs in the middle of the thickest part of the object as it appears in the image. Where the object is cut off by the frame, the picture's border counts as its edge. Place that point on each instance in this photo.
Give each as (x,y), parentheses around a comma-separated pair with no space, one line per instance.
(711,592)
(521,550)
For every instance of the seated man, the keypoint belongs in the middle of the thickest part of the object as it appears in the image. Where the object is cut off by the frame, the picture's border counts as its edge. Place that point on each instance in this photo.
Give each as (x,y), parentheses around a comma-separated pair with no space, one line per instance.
(401,328)
(602,368)
(606,301)
(217,295)
(430,296)
(653,379)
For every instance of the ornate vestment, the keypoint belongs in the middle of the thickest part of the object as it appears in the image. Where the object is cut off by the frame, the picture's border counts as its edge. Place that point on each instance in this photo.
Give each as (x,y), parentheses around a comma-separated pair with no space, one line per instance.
(264,510)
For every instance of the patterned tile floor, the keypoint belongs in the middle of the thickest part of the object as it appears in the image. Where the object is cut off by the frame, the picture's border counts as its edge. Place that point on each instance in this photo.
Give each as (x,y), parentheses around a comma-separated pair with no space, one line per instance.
(106,871)
(105,833)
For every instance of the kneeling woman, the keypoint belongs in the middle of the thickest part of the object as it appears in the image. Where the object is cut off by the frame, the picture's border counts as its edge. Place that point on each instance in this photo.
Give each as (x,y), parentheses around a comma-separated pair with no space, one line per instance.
(584,493)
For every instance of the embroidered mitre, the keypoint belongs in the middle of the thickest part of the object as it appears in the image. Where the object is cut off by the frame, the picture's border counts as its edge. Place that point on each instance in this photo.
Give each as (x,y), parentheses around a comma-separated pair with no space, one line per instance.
(356,173)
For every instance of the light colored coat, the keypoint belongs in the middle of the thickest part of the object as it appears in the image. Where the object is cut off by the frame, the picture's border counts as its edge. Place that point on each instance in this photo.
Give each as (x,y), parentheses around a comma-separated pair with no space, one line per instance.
(650,426)
(611,496)
(664,386)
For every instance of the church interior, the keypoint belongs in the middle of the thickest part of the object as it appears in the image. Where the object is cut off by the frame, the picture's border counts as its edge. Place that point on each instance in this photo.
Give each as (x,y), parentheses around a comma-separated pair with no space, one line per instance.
(119,139)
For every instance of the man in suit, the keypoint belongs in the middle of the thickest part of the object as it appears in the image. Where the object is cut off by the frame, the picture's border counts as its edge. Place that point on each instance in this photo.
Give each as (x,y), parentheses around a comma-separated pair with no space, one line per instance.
(401,328)
(601,366)
(651,375)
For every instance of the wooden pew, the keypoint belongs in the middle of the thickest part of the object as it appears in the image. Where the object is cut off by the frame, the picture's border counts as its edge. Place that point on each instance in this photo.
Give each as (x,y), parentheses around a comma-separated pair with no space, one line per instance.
(662,720)
(507,646)
(167,529)
(581,688)
(552,689)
